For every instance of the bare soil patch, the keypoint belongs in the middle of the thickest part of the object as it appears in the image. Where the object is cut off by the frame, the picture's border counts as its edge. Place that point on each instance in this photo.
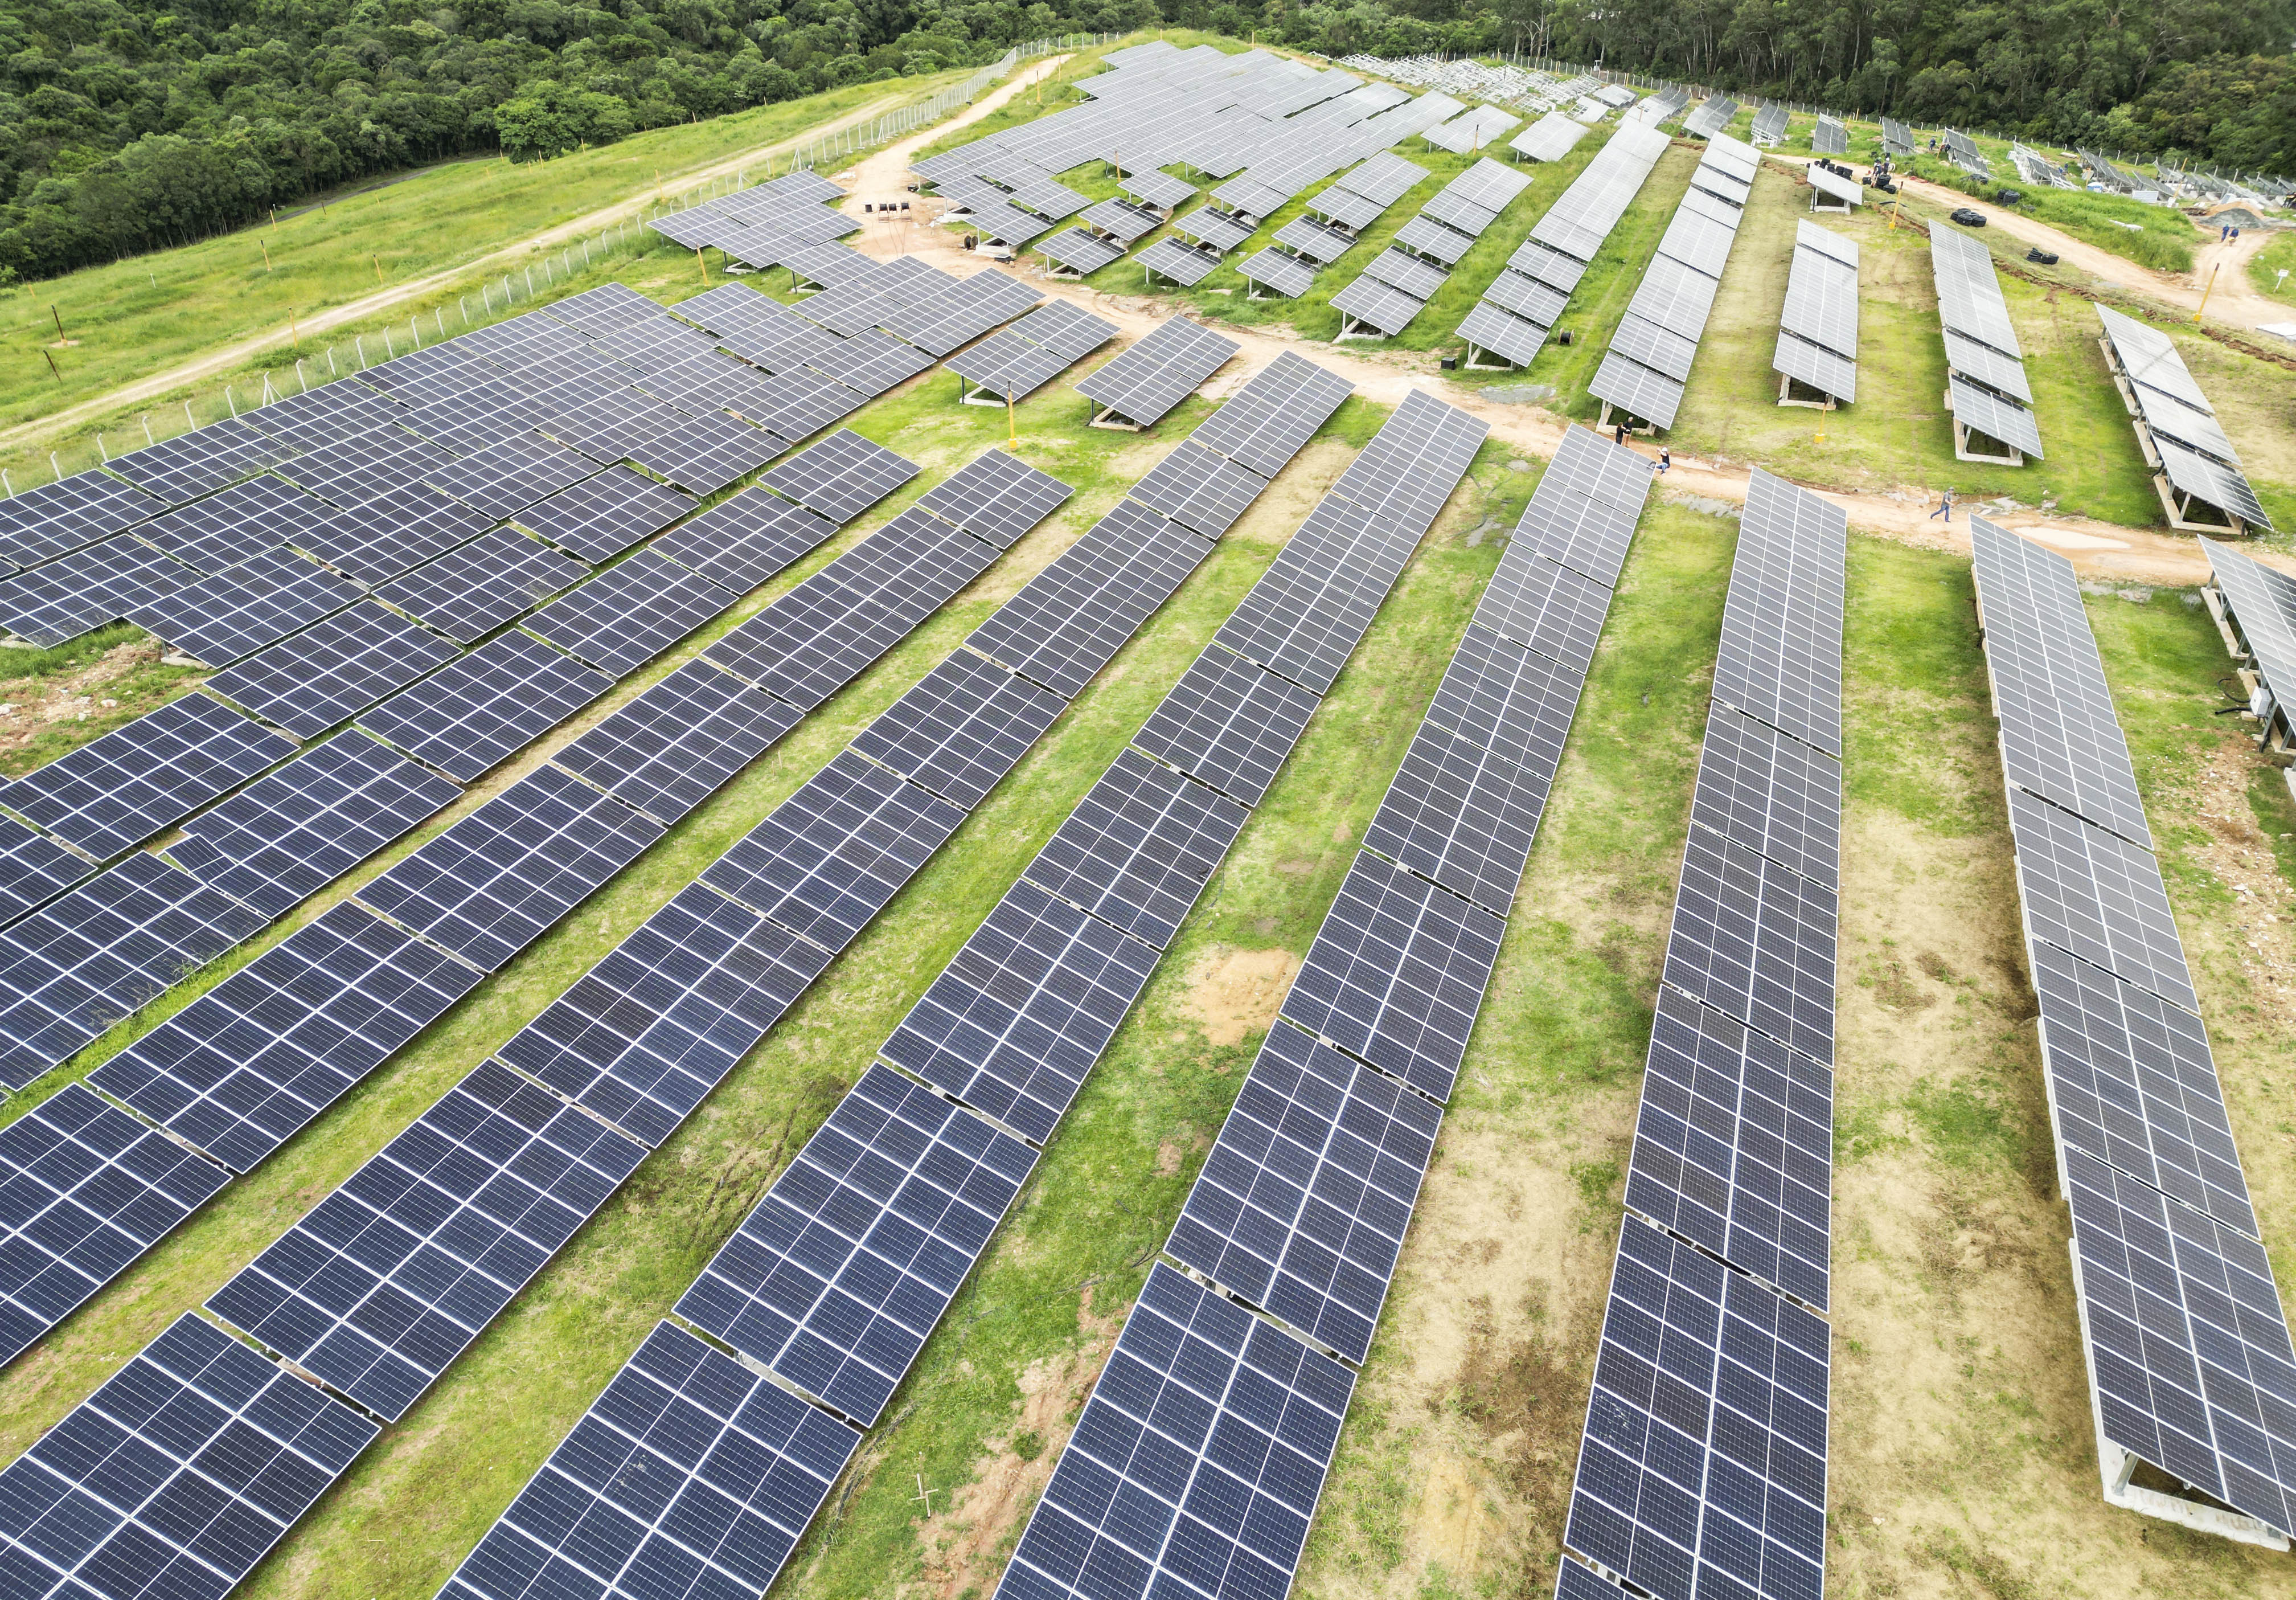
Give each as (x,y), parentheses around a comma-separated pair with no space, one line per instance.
(1234,993)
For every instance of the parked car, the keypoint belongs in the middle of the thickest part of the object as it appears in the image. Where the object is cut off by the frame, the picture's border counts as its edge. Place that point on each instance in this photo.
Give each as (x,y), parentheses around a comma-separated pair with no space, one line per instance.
(1969,218)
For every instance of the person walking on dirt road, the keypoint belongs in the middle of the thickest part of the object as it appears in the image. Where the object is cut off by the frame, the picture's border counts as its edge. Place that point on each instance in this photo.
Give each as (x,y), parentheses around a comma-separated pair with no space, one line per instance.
(1944,507)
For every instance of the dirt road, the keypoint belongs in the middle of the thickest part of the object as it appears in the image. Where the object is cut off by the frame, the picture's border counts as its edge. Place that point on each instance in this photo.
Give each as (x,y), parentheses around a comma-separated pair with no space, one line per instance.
(230,356)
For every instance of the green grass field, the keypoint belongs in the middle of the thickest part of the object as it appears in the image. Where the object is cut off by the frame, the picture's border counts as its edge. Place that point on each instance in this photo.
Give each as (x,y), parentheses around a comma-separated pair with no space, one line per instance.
(2264,269)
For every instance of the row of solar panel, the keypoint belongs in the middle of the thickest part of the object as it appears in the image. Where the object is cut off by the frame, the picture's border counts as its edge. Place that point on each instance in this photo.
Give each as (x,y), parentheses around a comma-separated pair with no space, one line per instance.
(381,1285)
(1818,329)
(1405,276)
(1647,366)
(2189,1352)
(1526,299)
(1201,1455)
(1336,216)
(2189,446)
(836,1278)
(1985,376)
(1702,1467)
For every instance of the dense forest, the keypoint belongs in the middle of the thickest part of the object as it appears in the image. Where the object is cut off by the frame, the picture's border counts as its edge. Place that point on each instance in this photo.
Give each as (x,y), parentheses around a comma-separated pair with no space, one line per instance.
(129,124)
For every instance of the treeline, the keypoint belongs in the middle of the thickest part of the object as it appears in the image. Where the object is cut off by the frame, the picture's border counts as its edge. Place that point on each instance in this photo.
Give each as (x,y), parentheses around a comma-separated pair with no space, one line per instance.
(132,125)
(2194,80)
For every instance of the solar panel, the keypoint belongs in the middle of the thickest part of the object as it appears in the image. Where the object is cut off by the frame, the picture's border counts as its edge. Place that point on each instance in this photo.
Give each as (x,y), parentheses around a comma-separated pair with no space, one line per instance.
(870,362)
(819,637)
(1008,365)
(1198,1458)
(1755,940)
(1638,392)
(216,621)
(1771,793)
(679,742)
(837,1277)
(511,474)
(1665,352)
(1022,1012)
(84,1191)
(996,497)
(2099,897)
(631,612)
(1435,239)
(1386,178)
(1184,263)
(1079,251)
(33,868)
(1302,1205)
(86,590)
(1492,328)
(2133,1084)
(82,961)
(498,878)
(377,541)
(390,1277)
(1219,231)
(115,791)
(1734,1147)
(1319,243)
(829,857)
(247,1065)
(1464,815)
(362,467)
(1139,848)
(1344,207)
(1229,724)
(201,462)
(1200,488)
(1280,274)
(1065,330)
(1264,424)
(741,542)
(2060,738)
(1703,1467)
(1071,618)
(1454,209)
(475,587)
(1526,297)
(179,1476)
(1781,653)
(1147,380)
(285,837)
(1406,273)
(1375,304)
(1413,463)
(472,714)
(961,728)
(333,670)
(841,477)
(330,412)
(602,516)
(1830,137)
(43,524)
(689,1467)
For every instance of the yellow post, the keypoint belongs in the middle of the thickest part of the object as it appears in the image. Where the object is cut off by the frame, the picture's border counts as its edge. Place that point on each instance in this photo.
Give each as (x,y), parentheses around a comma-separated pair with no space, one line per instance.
(703,264)
(267,256)
(1012,428)
(378,267)
(294,334)
(2207,291)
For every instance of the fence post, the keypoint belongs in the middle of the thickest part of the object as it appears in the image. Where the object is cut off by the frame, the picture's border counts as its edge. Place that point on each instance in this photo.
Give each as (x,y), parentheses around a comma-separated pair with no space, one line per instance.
(360,340)
(146,420)
(229,399)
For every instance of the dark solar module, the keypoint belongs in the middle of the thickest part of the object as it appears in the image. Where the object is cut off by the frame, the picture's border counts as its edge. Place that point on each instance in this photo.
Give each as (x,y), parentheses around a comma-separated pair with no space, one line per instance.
(333,670)
(1198,1460)
(799,402)
(689,1463)
(708,451)
(201,462)
(84,960)
(389,535)
(84,1191)
(1529,299)
(285,837)
(1552,609)
(322,415)
(2095,894)
(1772,794)
(608,428)
(1588,535)
(1221,231)
(1139,848)
(33,867)
(870,362)
(647,1032)
(1182,263)
(1305,615)
(822,634)
(1435,240)
(841,477)
(1755,940)
(829,857)
(1200,488)
(1079,251)
(996,497)
(1461,814)
(1317,243)
(1153,375)
(631,612)
(1280,274)
(219,620)
(1663,350)
(2132,1083)
(1377,306)
(177,1476)
(1413,463)
(1229,724)
(113,792)
(1065,330)
(961,728)
(243,1068)
(602,516)
(1070,619)
(600,310)
(498,878)
(1397,973)
(1454,211)
(1264,424)
(1303,1203)
(474,588)
(838,1277)
(363,466)
(1535,259)
(964,313)
(474,713)
(1780,652)
(242,522)
(1733,1148)
(1008,365)
(511,474)
(1703,1467)
(740,542)
(679,742)
(2188,1347)
(1021,1013)
(384,1283)
(43,524)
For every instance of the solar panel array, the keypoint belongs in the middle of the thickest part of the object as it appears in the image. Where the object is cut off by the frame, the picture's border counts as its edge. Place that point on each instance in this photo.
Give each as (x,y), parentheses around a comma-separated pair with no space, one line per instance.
(764,223)
(1830,137)
(1472,130)
(2190,1362)
(1711,117)
(1150,377)
(1647,366)
(1985,366)
(1702,1467)
(836,1278)
(1963,151)
(1817,331)
(1393,288)
(2256,607)
(2189,447)
(1897,138)
(1523,303)
(1769,125)
(1300,1210)
(1032,351)
(1549,139)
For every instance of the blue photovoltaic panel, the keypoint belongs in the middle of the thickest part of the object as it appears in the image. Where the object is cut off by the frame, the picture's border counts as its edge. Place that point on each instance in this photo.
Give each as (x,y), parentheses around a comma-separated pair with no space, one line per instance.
(676,743)
(741,542)
(33,867)
(474,713)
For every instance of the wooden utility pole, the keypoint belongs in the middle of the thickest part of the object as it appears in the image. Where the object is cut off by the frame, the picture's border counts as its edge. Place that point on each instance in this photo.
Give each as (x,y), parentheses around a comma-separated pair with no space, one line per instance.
(59,323)
(58,376)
